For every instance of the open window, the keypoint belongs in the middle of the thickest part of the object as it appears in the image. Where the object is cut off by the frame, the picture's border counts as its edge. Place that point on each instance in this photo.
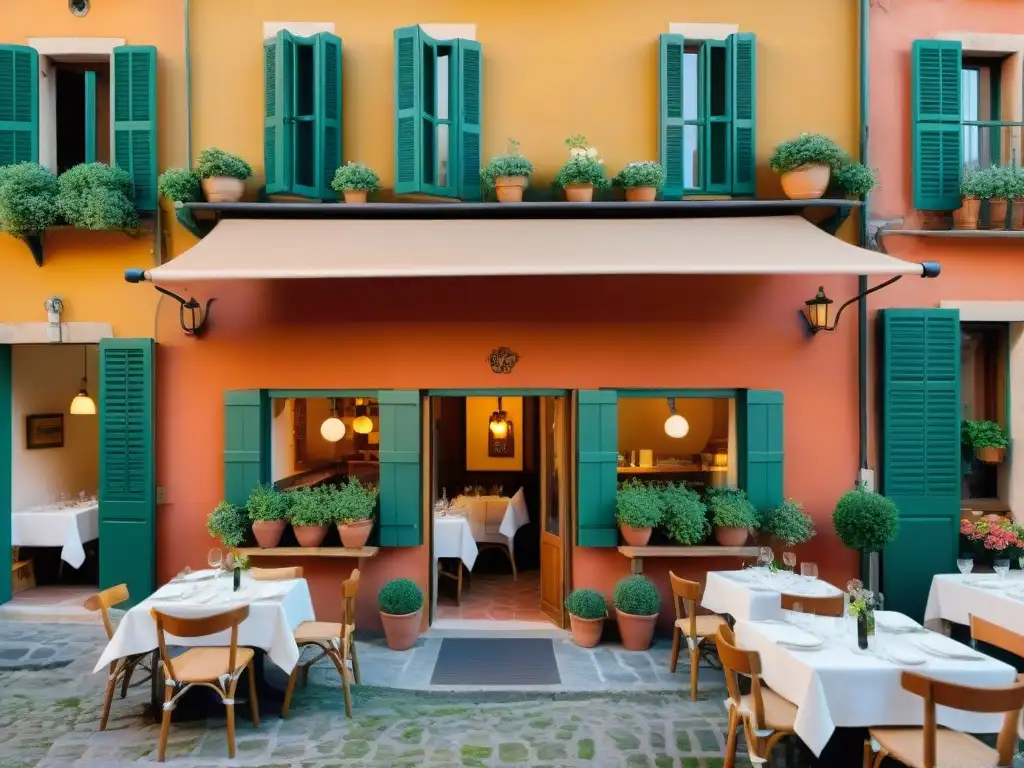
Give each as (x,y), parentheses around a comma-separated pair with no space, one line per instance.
(984,348)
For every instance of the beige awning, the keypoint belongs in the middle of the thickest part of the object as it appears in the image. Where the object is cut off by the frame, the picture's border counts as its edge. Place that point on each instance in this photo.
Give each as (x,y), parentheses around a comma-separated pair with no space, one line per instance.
(267,249)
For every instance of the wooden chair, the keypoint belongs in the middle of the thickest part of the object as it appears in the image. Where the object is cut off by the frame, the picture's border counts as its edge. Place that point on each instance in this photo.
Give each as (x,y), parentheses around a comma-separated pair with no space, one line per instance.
(23,575)
(819,606)
(121,670)
(922,747)
(335,640)
(698,630)
(217,668)
(766,716)
(986,632)
(276,574)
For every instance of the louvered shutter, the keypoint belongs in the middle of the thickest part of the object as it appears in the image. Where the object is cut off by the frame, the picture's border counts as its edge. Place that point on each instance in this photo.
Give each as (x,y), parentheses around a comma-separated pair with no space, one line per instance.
(127,482)
(408,127)
(134,117)
(246,440)
(469,82)
(920,447)
(936,118)
(328,111)
(761,447)
(743,47)
(19,104)
(401,511)
(670,114)
(278,64)
(597,439)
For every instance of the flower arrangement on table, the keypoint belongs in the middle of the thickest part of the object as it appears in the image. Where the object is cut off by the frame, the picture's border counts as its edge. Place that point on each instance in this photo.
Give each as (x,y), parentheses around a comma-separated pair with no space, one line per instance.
(862,602)
(992,537)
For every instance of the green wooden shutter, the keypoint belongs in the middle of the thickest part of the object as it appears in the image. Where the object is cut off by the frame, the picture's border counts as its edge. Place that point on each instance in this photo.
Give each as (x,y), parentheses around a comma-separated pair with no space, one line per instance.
(936,118)
(469,84)
(670,114)
(328,111)
(920,446)
(90,117)
(246,442)
(761,447)
(597,439)
(744,112)
(278,64)
(133,119)
(6,468)
(127,486)
(408,98)
(19,104)
(401,512)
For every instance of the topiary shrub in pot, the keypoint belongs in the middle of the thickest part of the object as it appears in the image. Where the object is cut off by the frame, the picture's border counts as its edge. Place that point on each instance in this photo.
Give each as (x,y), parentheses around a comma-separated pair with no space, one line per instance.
(180,185)
(223,175)
(28,199)
(805,165)
(507,175)
(352,506)
(733,516)
(685,515)
(636,611)
(582,173)
(986,439)
(227,523)
(786,525)
(97,196)
(268,511)
(401,608)
(354,181)
(638,508)
(309,515)
(587,612)
(641,180)
(866,521)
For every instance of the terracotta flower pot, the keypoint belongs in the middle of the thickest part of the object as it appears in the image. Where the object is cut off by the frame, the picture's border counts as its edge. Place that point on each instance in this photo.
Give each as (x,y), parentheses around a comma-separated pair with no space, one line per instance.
(586,633)
(510,188)
(1017,214)
(354,195)
(401,631)
(636,631)
(268,532)
(354,535)
(806,182)
(997,213)
(635,537)
(310,535)
(579,193)
(223,189)
(989,455)
(966,216)
(641,194)
(731,537)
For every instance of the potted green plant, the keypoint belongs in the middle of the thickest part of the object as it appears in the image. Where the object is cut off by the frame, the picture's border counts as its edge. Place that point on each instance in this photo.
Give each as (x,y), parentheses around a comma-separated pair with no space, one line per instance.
(587,612)
(223,175)
(352,507)
(986,439)
(582,173)
(28,199)
(97,196)
(1015,194)
(976,184)
(685,515)
(866,522)
(637,604)
(508,175)
(805,165)
(733,516)
(268,510)
(354,181)
(180,185)
(309,515)
(401,608)
(641,180)
(856,179)
(227,523)
(786,525)
(638,508)
(998,204)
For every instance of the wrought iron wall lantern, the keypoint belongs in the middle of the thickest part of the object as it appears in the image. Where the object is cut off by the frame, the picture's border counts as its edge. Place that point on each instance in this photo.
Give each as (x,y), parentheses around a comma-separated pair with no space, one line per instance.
(198,314)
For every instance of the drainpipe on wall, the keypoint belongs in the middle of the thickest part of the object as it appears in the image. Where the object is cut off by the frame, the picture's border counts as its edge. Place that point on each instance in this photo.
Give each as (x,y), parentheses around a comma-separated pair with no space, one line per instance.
(188,91)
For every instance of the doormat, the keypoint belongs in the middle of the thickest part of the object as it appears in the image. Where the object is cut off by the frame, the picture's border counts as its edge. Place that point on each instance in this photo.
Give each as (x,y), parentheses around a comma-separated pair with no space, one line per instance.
(497,661)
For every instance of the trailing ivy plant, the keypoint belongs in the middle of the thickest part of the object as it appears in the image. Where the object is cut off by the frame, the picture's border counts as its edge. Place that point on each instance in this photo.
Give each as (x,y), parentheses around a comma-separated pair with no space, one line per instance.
(638,505)
(645,173)
(180,185)
(983,434)
(586,604)
(512,163)
(865,521)
(685,515)
(584,166)
(97,196)
(355,177)
(227,523)
(788,522)
(807,149)
(855,179)
(217,162)
(730,508)
(28,199)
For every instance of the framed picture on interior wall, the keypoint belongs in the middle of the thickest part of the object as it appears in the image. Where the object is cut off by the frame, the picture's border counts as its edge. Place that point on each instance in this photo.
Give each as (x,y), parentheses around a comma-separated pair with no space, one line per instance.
(44,430)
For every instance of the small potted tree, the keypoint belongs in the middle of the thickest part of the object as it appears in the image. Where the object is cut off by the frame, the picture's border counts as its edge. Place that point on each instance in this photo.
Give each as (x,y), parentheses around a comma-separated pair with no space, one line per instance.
(786,525)
(733,516)
(637,604)
(587,612)
(180,185)
(975,184)
(223,175)
(97,196)
(685,515)
(856,179)
(805,165)
(401,608)
(986,439)
(1015,194)
(866,522)
(638,508)
(582,173)
(508,175)
(268,510)
(309,515)
(227,523)
(641,180)
(28,199)
(353,505)
(354,181)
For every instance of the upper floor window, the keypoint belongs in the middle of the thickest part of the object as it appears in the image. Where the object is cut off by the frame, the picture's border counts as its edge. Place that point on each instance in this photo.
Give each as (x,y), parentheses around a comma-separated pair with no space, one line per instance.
(984,348)
(707,115)
(980,89)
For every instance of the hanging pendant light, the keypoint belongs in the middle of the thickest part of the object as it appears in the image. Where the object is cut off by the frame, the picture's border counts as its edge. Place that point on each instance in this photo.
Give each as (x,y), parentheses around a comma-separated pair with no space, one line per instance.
(499,423)
(333,428)
(363,424)
(83,405)
(675,425)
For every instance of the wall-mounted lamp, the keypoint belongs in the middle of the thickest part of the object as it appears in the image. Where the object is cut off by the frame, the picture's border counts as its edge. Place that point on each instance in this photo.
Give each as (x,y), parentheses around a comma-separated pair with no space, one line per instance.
(198,313)
(332,429)
(363,424)
(499,422)
(675,425)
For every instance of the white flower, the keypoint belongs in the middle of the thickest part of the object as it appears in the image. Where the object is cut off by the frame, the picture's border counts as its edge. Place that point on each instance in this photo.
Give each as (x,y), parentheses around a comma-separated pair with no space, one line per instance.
(577,152)
(600,161)
(591,152)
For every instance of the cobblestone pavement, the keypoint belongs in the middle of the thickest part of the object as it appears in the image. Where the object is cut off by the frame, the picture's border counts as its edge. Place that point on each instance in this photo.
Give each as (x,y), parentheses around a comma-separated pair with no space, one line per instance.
(50,706)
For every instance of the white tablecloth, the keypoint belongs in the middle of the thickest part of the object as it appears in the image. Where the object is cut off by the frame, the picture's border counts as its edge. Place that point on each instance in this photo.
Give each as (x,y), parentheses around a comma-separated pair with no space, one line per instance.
(276,608)
(839,686)
(753,596)
(454,538)
(998,601)
(494,519)
(68,528)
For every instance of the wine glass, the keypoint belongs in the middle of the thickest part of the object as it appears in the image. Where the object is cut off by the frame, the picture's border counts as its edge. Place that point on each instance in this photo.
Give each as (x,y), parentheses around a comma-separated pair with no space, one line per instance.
(1001,566)
(215,558)
(766,556)
(966,564)
(809,570)
(789,560)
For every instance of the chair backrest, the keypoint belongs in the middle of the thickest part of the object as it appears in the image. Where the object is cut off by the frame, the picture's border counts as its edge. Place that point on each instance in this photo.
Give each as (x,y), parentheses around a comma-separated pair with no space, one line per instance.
(936,693)
(986,632)
(276,574)
(201,627)
(349,590)
(819,606)
(685,595)
(738,661)
(104,601)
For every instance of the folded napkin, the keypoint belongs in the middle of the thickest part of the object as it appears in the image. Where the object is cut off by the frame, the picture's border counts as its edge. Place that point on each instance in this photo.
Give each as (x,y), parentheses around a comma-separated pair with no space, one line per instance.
(268,591)
(893,621)
(787,634)
(940,645)
(902,653)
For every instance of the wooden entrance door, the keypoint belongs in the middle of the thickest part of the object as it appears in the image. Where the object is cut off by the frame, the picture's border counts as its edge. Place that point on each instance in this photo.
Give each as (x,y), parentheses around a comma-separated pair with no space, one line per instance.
(554,505)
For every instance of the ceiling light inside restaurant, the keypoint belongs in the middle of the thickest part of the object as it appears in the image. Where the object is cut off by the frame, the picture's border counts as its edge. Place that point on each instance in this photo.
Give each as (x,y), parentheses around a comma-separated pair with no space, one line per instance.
(82,404)
(363,424)
(332,429)
(675,425)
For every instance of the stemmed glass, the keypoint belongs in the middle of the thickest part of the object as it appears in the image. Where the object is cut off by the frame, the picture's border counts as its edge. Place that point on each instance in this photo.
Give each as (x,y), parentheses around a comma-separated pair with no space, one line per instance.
(966,564)
(789,560)
(1001,566)
(809,570)
(765,556)
(215,558)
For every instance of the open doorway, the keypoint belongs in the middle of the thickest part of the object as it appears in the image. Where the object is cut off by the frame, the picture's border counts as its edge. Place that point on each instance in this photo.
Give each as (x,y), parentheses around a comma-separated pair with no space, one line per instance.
(498,480)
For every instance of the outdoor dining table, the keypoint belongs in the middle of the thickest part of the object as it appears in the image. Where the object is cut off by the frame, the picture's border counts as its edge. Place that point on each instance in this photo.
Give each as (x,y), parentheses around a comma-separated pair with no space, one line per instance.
(954,597)
(755,594)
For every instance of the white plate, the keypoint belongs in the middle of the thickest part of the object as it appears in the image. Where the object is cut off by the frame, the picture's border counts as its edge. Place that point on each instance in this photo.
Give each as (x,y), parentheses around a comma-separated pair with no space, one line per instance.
(944,647)
(197,576)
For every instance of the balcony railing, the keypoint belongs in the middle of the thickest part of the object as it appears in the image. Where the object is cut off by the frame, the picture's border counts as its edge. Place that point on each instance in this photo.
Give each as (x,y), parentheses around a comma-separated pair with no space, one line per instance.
(991,142)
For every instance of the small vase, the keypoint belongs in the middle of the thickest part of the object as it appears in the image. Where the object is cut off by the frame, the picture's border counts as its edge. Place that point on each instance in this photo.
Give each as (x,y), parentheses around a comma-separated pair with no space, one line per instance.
(586,633)
(641,194)
(731,537)
(966,216)
(223,189)
(862,630)
(310,535)
(636,631)
(509,189)
(807,182)
(268,532)
(579,193)
(635,537)
(354,535)
(401,631)
(354,195)
(237,579)
(997,213)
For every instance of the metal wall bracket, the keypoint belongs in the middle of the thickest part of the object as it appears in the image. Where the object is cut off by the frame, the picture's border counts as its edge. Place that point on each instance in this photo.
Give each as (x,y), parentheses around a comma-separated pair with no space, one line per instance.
(187,219)
(35,245)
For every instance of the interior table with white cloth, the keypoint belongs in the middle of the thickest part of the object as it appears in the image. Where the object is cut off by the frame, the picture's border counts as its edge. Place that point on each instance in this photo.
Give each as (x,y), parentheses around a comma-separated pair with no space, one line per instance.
(68,527)
(755,594)
(494,519)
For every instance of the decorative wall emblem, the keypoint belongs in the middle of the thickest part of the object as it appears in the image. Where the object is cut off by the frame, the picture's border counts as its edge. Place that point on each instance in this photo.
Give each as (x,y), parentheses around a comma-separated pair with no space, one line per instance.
(503,360)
